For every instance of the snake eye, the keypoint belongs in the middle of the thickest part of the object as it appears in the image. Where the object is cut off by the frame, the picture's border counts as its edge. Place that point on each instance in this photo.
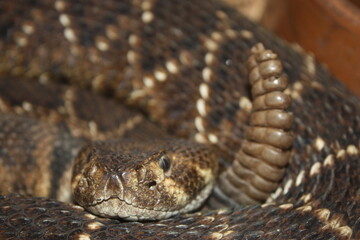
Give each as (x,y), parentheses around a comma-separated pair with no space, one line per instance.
(164,162)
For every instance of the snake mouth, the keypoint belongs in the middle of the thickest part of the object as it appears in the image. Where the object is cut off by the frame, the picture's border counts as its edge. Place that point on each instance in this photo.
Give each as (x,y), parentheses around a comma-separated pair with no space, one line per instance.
(115,207)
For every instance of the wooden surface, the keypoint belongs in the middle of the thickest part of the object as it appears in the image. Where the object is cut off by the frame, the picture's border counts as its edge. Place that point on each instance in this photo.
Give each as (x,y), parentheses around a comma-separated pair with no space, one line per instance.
(330,30)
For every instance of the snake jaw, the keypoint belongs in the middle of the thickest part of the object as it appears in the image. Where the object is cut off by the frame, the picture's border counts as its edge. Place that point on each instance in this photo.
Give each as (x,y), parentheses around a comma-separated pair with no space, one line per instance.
(114,207)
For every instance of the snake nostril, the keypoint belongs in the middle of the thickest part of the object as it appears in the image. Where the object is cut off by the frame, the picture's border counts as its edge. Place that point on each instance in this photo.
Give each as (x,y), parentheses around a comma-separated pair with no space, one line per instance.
(152,185)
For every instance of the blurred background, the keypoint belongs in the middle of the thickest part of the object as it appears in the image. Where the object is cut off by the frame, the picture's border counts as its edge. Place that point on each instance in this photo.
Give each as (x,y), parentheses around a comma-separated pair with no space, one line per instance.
(330,29)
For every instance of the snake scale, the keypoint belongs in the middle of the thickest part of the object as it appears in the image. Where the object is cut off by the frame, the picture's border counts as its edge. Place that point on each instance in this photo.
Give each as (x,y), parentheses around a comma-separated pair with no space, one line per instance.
(183,64)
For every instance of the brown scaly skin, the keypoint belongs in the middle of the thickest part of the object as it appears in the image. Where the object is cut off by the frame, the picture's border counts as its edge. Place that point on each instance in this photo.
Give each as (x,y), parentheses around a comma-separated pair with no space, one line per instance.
(25,144)
(34,218)
(201,70)
(141,174)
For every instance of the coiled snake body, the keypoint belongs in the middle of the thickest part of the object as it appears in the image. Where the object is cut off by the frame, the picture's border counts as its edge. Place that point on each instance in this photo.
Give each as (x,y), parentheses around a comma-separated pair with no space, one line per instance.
(183,64)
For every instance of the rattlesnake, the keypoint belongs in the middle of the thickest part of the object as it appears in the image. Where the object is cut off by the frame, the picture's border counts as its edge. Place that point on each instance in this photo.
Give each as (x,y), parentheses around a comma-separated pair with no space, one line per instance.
(189,76)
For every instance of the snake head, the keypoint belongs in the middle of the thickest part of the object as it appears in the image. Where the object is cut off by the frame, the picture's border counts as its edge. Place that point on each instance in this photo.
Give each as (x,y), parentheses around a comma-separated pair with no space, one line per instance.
(143,181)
